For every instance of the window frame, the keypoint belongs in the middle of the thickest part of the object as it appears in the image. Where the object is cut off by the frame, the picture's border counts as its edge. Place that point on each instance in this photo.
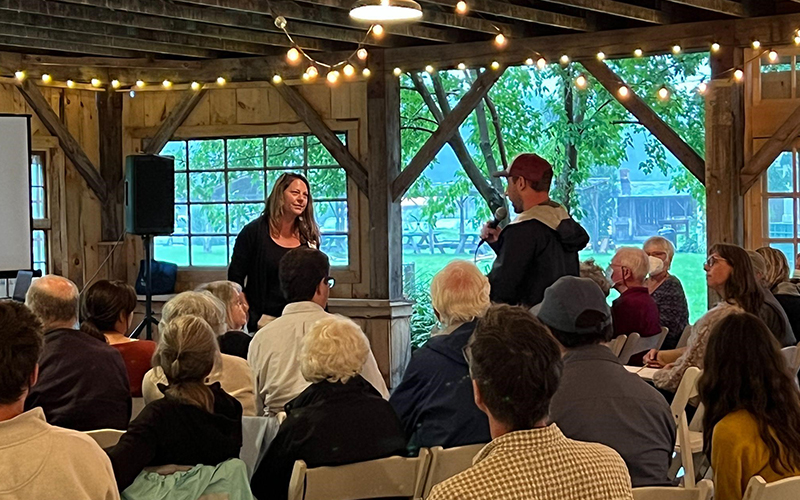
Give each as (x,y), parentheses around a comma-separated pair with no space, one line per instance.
(794,195)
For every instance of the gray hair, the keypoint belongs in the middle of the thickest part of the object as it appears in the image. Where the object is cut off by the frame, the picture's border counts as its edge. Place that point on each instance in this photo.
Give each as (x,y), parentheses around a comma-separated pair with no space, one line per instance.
(53,299)
(334,349)
(460,292)
(634,259)
(225,291)
(201,304)
(590,269)
(662,244)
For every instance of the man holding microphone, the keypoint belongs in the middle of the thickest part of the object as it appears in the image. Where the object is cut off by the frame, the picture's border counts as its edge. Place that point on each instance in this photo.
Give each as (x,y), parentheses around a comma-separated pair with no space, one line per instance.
(540,245)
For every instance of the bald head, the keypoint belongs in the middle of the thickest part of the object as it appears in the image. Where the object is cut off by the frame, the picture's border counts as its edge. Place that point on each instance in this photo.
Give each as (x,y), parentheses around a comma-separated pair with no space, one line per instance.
(54,300)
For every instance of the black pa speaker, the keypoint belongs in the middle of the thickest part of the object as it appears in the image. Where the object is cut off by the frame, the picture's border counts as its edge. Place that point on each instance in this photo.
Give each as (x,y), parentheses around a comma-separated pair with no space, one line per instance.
(149,195)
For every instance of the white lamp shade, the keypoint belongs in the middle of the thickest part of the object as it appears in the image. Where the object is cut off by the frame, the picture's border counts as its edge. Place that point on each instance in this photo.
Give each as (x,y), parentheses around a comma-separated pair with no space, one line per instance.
(386,11)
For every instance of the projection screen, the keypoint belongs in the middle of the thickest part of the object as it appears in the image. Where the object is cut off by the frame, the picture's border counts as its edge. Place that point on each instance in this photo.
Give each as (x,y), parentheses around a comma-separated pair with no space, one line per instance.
(15,195)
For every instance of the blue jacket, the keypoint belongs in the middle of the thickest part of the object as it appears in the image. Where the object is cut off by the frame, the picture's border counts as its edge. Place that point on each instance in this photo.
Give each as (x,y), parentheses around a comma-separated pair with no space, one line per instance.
(434,401)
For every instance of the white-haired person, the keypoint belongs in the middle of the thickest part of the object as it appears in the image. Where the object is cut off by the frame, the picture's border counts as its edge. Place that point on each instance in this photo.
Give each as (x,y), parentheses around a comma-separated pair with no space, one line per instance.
(435,401)
(235,341)
(339,419)
(233,373)
(194,423)
(590,269)
(667,291)
(634,310)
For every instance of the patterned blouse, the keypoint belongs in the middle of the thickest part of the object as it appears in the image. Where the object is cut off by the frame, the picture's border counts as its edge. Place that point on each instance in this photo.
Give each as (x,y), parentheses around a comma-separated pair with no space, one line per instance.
(670,379)
(673,309)
(541,464)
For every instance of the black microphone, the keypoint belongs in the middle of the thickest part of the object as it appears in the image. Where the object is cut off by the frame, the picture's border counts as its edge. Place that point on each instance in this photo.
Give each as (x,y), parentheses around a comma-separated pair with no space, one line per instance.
(499,215)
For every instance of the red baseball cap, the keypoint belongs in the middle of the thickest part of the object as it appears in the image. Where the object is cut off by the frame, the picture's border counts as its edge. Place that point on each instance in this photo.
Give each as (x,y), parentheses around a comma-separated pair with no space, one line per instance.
(529,166)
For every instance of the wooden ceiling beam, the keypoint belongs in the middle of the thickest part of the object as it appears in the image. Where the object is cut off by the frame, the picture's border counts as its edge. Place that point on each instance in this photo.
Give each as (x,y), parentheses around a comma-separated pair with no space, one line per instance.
(230,18)
(766,155)
(728,7)
(520,13)
(96,13)
(619,9)
(162,42)
(74,48)
(177,116)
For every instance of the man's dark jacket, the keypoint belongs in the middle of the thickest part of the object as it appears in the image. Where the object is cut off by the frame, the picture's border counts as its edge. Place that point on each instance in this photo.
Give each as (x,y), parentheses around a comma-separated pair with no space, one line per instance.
(435,401)
(539,247)
(83,384)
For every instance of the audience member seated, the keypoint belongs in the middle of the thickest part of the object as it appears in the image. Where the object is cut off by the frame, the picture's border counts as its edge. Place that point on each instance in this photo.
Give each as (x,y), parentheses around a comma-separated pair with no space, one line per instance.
(232,373)
(590,269)
(730,274)
(83,384)
(435,401)
(667,291)
(39,460)
(771,313)
(752,409)
(193,423)
(339,419)
(234,342)
(515,366)
(598,400)
(777,281)
(634,310)
(107,309)
(305,281)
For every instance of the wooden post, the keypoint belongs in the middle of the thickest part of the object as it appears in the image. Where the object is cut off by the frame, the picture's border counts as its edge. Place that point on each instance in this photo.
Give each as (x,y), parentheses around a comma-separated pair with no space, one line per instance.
(190,100)
(109,109)
(385,216)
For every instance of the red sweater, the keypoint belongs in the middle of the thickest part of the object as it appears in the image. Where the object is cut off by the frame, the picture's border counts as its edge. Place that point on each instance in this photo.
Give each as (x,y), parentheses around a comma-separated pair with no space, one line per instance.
(137,356)
(635,311)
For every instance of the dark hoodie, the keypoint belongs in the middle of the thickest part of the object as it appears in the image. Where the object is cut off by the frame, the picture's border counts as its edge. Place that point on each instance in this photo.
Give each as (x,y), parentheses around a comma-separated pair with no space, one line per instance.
(539,247)
(435,401)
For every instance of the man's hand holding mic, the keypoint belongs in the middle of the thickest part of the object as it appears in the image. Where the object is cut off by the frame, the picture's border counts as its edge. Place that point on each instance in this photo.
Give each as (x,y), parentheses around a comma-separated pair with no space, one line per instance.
(490,232)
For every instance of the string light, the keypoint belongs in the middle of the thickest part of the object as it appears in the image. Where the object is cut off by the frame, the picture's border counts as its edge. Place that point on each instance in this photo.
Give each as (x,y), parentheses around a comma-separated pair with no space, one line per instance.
(397,72)
(581,82)
(366,72)
(529,62)
(377,30)
(221,80)
(462,66)
(312,72)
(349,70)
(115,83)
(676,49)
(623,91)
(96,82)
(196,86)
(276,79)
(797,39)
(140,84)
(541,63)
(738,74)
(132,93)
(495,65)
(429,69)
(773,56)
(461,7)
(702,87)
(46,78)
(166,84)
(305,77)
(362,54)
(756,44)
(333,76)
(19,75)
(565,59)
(70,84)
(663,93)
(638,52)
(601,55)
(715,47)
(500,40)
(293,55)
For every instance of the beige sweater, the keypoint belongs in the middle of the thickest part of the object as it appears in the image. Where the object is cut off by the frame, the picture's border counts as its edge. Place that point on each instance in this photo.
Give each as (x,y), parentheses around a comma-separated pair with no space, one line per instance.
(42,461)
(234,376)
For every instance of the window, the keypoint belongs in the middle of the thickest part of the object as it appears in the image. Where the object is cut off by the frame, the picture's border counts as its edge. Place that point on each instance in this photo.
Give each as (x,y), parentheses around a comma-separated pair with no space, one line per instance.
(39,212)
(221,185)
(780,201)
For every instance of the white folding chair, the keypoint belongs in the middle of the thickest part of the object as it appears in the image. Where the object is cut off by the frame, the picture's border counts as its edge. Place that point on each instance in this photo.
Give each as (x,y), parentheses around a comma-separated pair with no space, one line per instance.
(105,438)
(684,340)
(385,477)
(617,344)
(446,463)
(636,343)
(785,489)
(630,348)
(689,441)
(703,491)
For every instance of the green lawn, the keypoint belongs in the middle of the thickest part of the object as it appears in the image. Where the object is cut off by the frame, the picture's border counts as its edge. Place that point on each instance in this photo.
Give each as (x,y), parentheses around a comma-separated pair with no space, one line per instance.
(688,267)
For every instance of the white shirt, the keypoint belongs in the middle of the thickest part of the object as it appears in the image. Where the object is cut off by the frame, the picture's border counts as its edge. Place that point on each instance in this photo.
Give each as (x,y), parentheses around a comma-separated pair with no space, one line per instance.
(274,353)
(42,461)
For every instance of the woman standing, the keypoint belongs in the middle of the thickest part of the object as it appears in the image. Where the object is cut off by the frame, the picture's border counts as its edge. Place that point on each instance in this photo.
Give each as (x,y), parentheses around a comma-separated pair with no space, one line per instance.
(287,223)
(667,291)
(752,408)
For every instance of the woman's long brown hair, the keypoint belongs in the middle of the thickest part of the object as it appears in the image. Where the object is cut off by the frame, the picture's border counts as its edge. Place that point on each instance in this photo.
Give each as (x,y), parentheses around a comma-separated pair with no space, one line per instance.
(741,287)
(745,370)
(102,304)
(305,224)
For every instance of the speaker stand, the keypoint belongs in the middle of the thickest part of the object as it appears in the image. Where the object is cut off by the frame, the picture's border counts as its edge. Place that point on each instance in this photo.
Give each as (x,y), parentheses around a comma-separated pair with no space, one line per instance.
(148,321)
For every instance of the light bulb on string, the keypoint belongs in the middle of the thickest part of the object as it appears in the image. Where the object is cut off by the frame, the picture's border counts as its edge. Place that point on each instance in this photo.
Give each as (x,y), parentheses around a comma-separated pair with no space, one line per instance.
(132,93)
(19,75)
(349,70)
(166,84)
(676,49)
(362,54)
(429,69)
(312,72)
(565,59)
(70,84)
(663,93)
(500,40)
(293,55)
(461,7)
(638,52)
(96,82)
(140,84)
(756,44)
(276,79)
(333,76)
(46,78)
(623,91)
(797,40)
(702,87)
(529,61)
(115,83)
(773,56)
(397,72)
(715,47)
(196,86)
(306,77)
(581,82)
(377,30)
(738,75)
(221,80)
(601,55)
(541,63)
(366,72)
(462,66)
(495,65)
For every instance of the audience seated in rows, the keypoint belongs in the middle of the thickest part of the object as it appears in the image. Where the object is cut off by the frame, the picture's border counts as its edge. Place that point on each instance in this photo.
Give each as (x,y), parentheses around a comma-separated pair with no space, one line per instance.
(515,365)
(777,281)
(235,341)
(667,291)
(305,280)
(39,460)
(339,419)
(107,309)
(634,310)
(730,274)
(83,384)
(232,373)
(598,400)
(193,423)
(752,407)
(435,401)
(771,312)
(590,270)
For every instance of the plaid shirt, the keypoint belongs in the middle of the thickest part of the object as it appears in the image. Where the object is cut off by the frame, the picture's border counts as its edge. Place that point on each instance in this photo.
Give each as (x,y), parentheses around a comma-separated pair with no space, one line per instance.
(540,464)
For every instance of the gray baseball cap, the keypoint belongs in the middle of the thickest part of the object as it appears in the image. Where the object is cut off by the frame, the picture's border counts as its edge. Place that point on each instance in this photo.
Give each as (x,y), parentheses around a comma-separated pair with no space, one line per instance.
(568,298)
